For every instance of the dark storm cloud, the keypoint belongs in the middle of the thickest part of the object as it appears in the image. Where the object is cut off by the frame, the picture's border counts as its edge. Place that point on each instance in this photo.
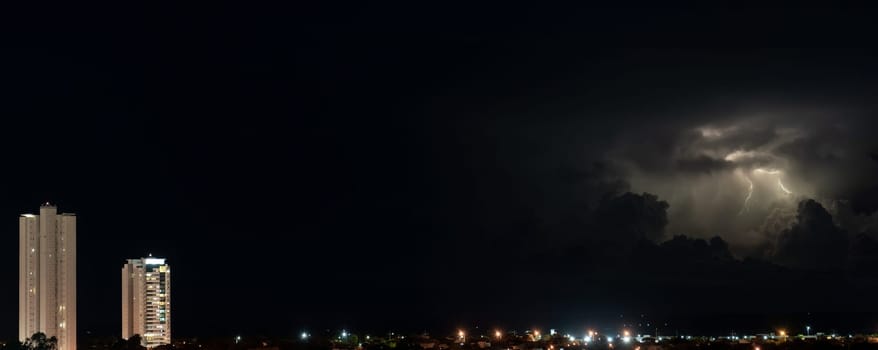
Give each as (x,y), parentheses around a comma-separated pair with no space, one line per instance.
(699,145)
(607,234)
(834,157)
(682,252)
(594,182)
(702,164)
(813,242)
(631,217)
(847,216)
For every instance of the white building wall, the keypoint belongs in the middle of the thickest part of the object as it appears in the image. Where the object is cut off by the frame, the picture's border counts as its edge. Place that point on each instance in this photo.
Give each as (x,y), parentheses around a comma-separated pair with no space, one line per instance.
(67,271)
(28,276)
(48,271)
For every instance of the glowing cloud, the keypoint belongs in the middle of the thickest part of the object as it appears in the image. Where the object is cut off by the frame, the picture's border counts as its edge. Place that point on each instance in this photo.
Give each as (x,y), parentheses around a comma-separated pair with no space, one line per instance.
(738,155)
(710,132)
(766,171)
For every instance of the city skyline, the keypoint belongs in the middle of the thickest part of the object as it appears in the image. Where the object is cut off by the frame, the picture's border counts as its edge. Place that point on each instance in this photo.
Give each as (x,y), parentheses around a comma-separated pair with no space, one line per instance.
(377,166)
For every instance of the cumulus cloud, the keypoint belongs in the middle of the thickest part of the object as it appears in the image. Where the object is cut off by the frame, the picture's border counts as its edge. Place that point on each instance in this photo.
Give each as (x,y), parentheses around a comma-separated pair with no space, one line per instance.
(616,226)
(631,217)
(813,242)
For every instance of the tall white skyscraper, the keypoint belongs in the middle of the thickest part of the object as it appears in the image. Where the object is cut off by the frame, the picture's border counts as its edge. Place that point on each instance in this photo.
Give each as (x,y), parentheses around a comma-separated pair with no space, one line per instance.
(146,301)
(47,276)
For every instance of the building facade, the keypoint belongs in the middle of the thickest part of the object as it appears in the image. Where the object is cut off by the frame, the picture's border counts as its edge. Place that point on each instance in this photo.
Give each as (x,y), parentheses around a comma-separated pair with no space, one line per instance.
(146,301)
(47,276)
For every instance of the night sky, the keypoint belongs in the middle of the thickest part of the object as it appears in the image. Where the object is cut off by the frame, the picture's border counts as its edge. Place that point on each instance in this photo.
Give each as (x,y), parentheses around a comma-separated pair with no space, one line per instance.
(426,167)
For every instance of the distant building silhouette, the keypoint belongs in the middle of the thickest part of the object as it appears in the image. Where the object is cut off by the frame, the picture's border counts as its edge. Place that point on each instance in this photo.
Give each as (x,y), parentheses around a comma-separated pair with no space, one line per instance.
(47,276)
(146,301)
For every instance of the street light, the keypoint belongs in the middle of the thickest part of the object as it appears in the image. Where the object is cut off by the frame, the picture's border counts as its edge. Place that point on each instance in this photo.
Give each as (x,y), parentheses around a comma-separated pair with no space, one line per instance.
(808,330)
(498,334)
(304,335)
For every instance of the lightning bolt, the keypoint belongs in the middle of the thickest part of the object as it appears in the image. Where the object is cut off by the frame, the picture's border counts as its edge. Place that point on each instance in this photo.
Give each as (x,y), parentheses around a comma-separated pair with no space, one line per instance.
(782,188)
(774,172)
(746,206)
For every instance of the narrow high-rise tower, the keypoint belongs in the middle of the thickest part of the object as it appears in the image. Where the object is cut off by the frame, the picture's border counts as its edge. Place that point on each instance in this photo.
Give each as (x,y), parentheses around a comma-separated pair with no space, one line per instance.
(146,301)
(47,276)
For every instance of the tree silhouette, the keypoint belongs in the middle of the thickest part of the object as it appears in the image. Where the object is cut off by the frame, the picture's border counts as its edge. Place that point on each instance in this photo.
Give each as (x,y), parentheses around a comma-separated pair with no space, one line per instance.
(39,341)
(135,343)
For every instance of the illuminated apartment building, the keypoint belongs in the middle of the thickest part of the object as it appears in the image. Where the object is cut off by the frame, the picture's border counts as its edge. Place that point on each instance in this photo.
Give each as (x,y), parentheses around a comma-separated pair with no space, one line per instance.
(146,301)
